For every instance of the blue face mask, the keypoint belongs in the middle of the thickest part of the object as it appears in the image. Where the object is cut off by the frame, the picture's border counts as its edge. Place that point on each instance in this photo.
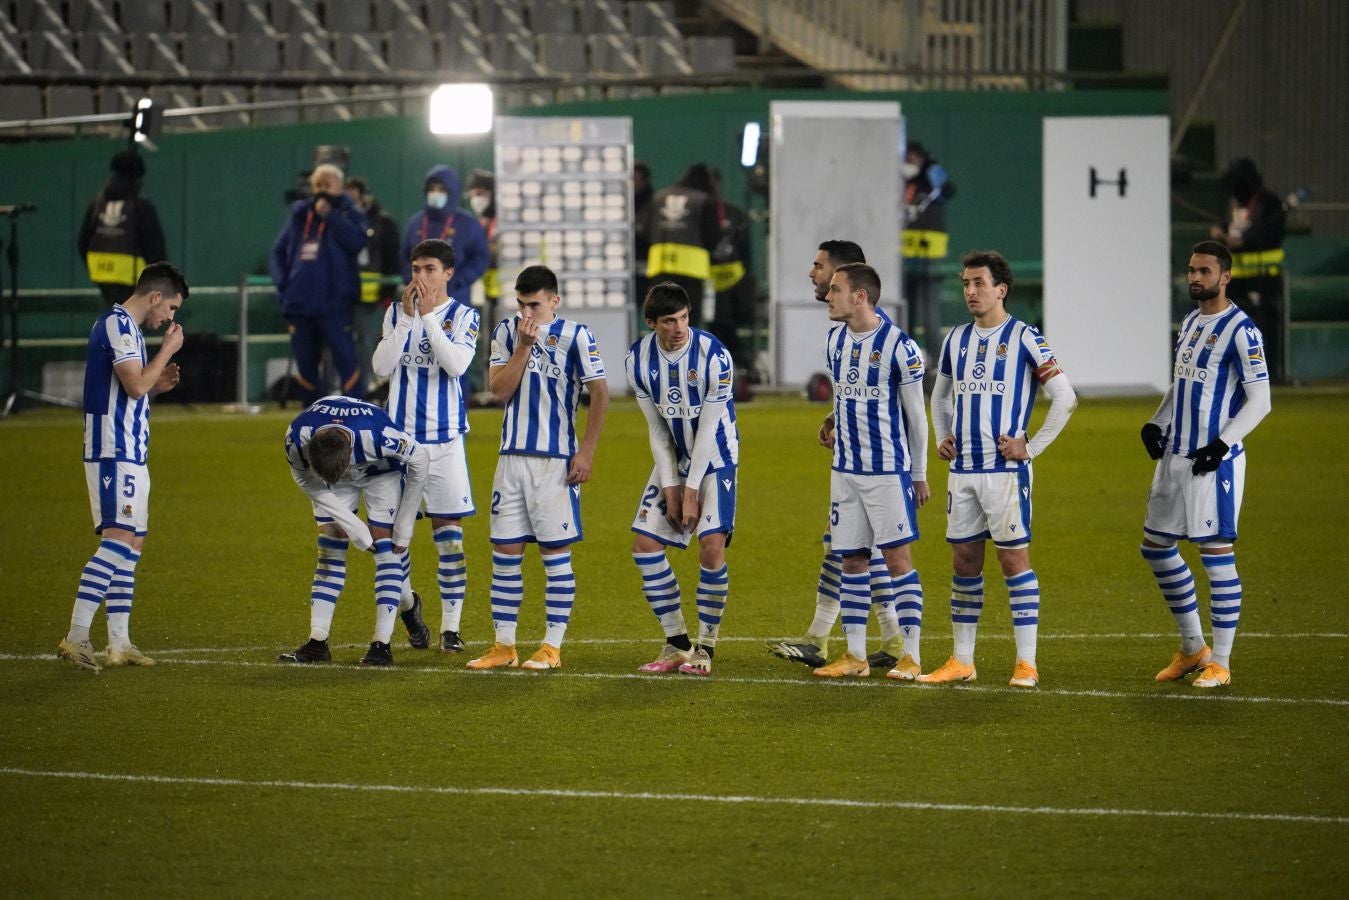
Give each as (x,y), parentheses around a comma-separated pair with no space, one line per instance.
(437,199)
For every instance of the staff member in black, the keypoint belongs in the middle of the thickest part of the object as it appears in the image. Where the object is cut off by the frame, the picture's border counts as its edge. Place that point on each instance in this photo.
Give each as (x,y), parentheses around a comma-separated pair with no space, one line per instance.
(120,234)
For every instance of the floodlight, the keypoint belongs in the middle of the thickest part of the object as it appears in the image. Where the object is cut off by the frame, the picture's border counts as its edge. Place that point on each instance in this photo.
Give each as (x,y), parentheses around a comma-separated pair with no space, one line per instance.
(461,109)
(749,145)
(146,122)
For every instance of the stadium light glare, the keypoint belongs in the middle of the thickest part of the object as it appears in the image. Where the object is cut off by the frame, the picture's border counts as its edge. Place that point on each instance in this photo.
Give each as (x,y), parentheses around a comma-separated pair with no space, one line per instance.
(461,109)
(749,145)
(145,122)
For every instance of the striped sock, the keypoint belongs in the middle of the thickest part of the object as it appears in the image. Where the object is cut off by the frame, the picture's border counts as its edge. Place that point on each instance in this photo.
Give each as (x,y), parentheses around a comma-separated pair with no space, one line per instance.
(1224,603)
(661,590)
(826,592)
(452,573)
(1176,583)
(713,586)
(967,604)
(117,606)
(908,591)
(388,581)
(559,594)
(405,589)
(330,576)
(883,599)
(95,580)
(855,605)
(506,595)
(1023,593)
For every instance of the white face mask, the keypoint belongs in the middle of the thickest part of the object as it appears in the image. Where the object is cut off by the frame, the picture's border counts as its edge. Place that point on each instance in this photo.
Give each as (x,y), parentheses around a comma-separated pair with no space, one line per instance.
(909,170)
(479,203)
(437,199)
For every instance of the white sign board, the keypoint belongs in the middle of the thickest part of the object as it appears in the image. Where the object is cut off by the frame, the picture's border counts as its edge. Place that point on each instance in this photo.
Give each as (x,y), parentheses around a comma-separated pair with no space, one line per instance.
(564,200)
(1107,233)
(834,175)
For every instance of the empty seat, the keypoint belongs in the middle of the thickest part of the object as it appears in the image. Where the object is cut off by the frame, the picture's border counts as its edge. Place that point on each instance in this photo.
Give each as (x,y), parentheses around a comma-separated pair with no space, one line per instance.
(20,101)
(311,53)
(243,16)
(651,18)
(53,51)
(194,15)
(600,17)
(460,54)
(69,100)
(359,53)
(212,95)
(395,17)
(325,112)
(371,109)
(205,52)
(412,51)
(152,53)
(285,115)
(551,17)
(498,16)
(564,54)
(613,55)
(257,53)
(444,17)
(664,56)
(509,54)
(99,52)
(711,54)
(36,15)
(11,56)
(347,15)
(141,15)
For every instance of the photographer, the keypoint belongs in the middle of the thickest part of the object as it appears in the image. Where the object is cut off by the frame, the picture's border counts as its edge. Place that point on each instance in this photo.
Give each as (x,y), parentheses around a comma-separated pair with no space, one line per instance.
(313,264)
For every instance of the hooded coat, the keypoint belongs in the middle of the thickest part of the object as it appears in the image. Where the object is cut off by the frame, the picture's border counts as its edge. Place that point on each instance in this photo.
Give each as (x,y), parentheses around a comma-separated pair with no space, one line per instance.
(452,224)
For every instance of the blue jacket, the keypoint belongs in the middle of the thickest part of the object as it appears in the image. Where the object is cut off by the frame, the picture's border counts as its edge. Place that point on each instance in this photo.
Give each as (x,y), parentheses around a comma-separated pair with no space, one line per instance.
(471,255)
(331,282)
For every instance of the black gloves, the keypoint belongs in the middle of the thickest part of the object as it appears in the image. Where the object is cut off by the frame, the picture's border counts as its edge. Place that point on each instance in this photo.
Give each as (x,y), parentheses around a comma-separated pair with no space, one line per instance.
(1154,440)
(1207,457)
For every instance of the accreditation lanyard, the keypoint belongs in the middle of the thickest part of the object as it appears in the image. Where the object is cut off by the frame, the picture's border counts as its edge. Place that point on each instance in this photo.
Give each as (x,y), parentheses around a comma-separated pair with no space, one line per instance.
(309,248)
(445,230)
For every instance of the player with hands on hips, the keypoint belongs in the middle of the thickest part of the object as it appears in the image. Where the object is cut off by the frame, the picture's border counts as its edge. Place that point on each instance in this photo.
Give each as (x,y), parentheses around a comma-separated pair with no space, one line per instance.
(992,368)
(538,365)
(1219,394)
(341,451)
(681,378)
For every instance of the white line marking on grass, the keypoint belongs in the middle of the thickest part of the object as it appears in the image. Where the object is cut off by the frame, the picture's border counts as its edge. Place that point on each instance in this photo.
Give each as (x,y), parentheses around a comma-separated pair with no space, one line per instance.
(730,799)
(808,681)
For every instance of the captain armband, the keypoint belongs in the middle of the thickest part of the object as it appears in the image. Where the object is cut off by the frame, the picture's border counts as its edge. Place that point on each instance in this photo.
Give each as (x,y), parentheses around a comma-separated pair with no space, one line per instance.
(1048,370)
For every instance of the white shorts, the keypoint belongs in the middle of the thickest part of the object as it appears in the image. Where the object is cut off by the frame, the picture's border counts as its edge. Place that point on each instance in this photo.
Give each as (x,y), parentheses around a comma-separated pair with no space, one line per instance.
(982,505)
(716,499)
(448,493)
(119,495)
(1184,506)
(382,493)
(868,511)
(532,502)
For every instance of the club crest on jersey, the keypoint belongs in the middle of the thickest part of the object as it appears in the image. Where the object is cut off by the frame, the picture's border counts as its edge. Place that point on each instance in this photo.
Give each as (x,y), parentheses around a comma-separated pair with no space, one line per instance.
(693,376)
(1001,352)
(126,510)
(874,359)
(552,341)
(1212,341)
(641,515)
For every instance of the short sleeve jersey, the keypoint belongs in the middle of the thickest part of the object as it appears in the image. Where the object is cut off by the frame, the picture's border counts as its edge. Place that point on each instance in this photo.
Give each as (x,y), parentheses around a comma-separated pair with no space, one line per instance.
(540,418)
(115,426)
(995,374)
(868,370)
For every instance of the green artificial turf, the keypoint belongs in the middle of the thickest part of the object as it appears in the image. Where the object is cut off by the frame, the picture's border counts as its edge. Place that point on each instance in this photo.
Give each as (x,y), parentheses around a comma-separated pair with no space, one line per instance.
(222,773)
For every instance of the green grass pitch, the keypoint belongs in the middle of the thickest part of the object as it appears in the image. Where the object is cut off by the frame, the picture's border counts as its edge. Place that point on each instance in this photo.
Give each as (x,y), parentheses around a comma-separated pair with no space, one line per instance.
(222,773)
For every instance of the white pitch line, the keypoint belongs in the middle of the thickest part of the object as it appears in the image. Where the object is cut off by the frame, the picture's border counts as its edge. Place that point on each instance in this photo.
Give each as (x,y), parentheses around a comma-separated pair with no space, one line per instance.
(821,683)
(660,797)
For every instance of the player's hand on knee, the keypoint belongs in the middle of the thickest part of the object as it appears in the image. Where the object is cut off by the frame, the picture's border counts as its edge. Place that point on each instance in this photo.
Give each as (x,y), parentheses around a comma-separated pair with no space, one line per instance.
(1154,440)
(1208,457)
(673,503)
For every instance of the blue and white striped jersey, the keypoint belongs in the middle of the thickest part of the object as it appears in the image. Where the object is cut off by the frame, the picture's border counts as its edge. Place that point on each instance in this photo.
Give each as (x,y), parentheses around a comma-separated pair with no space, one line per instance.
(1216,356)
(996,373)
(424,399)
(870,433)
(677,384)
(376,443)
(540,418)
(115,426)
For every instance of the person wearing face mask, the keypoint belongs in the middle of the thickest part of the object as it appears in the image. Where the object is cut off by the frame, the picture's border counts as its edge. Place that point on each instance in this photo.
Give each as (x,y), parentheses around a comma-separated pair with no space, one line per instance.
(1253,232)
(120,233)
(441,219)
(313,265)
(481,194)
(927,188)
(377,259)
